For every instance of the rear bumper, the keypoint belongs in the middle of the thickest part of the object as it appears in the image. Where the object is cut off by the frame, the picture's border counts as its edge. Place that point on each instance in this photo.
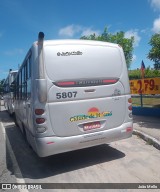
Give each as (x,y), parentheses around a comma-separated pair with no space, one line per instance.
(47,146)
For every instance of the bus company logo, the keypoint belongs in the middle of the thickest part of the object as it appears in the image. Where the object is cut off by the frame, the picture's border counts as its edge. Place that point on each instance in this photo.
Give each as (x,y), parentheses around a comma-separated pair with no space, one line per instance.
(117,92)
(69,53)
(92,113)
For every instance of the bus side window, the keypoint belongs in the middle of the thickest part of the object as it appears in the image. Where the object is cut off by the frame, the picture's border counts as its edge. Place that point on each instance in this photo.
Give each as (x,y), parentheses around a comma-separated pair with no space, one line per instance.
(16,87)
(29,77)
(20,85)
(6,86)
(23,83)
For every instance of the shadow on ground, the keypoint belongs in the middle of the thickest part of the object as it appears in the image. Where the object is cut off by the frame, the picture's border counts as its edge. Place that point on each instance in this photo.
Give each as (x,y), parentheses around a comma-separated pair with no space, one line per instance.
(33,167)
(147,122)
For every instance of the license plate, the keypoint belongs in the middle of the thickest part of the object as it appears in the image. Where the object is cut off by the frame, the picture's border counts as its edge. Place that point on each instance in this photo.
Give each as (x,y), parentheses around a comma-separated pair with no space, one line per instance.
(93,125)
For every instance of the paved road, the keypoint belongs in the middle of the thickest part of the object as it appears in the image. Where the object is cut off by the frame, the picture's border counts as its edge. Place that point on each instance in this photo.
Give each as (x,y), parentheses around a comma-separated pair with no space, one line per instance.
(126,161)
(148,125)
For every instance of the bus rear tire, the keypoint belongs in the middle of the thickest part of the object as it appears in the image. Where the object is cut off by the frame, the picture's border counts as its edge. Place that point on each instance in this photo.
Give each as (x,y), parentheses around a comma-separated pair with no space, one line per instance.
(25,137)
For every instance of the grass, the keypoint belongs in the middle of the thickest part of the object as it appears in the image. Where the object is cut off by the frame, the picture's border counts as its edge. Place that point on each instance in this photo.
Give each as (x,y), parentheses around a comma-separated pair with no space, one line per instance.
(150,142)
(148,102)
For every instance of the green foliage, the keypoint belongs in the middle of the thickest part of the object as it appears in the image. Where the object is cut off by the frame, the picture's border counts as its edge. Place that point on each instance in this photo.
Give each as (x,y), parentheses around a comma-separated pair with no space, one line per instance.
(154,53)
(136,74)
(119,38)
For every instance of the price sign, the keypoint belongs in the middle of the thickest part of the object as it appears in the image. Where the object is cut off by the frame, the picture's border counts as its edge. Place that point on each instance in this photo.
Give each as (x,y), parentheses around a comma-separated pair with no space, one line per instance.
(145,86)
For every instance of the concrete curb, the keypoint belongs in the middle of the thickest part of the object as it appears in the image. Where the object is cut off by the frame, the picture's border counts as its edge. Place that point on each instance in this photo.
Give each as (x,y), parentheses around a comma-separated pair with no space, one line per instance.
(149,139)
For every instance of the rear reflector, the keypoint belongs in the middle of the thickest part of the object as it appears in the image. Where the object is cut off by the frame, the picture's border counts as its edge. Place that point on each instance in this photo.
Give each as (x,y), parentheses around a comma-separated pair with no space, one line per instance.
(129,129)
(51,142)
(40,120)
(130,115)
(39,111)
(85,82)
(41,129)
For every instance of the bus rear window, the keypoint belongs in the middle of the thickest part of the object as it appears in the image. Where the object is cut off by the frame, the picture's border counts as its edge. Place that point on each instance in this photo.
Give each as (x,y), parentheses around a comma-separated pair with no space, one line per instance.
(93,62)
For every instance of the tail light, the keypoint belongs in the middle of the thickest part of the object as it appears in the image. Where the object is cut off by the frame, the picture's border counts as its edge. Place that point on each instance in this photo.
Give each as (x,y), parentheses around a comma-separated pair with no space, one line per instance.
(109,81)
(40,120)
(130,100)
(39,111)
(66,84)
(130,107)
(130,104)
(85,82)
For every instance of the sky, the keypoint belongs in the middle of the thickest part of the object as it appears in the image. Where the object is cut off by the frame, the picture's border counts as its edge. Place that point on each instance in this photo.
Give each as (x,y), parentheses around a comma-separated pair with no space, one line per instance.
(21,20)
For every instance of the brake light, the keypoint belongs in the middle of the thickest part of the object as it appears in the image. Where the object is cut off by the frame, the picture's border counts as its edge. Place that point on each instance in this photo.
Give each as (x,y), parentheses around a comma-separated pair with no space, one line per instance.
(109,81)
(65,83)
(39,111)
(40,120)
(85,82)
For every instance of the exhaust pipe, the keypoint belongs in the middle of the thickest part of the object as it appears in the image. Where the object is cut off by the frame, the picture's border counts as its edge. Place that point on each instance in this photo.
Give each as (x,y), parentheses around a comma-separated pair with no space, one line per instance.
(41,81)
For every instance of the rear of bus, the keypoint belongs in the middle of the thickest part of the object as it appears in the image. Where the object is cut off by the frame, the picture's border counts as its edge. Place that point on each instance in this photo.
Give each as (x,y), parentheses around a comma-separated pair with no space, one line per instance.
(88,96)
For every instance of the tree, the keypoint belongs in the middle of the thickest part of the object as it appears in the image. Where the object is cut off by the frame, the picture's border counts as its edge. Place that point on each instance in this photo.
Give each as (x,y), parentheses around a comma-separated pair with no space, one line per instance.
(136,74)
(119,38)
(154,53)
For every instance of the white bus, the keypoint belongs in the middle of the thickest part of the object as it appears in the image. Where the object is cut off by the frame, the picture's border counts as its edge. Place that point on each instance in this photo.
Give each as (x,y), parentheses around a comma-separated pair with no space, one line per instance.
(73,94)
(8,92)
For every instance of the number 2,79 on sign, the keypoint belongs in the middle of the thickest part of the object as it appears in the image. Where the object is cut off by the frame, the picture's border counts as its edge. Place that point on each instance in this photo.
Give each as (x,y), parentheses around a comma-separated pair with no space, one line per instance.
(145,86)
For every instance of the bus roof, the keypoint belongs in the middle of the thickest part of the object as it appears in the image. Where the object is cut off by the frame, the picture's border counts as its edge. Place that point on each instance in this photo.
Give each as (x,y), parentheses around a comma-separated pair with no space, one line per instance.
(78,41)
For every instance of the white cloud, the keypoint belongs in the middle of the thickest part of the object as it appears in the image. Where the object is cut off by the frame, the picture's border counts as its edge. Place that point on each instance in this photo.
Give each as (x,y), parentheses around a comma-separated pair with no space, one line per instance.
(72,30)
(134,58)
(133,33)
(15,51)
(145,31)
(156,25)
(155,4)
(89,31)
